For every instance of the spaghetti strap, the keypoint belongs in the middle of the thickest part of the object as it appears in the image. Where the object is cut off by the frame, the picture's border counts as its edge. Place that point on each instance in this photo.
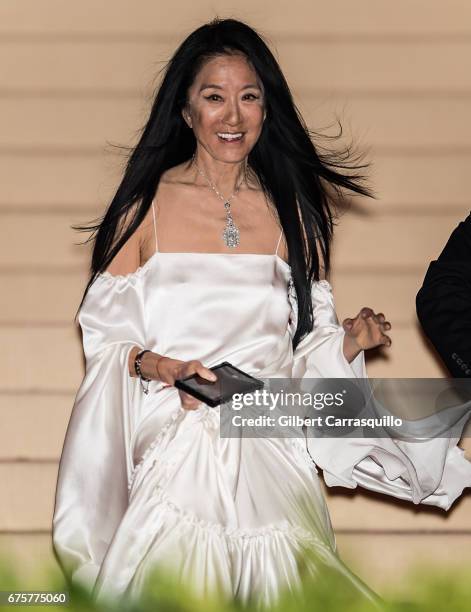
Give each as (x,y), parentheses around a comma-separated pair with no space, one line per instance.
(279,240)
(155,227)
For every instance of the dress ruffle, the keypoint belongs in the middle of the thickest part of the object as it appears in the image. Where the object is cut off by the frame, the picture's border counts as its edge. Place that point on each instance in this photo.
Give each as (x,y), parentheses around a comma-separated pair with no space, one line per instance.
(433,472)
(214,555)
(141,479)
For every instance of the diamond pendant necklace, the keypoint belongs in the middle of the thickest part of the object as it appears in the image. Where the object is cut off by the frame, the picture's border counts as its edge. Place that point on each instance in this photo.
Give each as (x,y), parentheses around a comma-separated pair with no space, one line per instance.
(231,233)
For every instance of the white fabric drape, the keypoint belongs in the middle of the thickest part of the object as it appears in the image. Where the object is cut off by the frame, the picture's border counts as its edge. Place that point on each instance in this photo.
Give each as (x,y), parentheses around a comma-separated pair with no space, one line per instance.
(113,424)
(432,472)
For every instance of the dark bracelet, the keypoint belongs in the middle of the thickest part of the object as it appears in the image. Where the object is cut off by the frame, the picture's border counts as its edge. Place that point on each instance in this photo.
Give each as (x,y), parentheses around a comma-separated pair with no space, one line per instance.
(137,368)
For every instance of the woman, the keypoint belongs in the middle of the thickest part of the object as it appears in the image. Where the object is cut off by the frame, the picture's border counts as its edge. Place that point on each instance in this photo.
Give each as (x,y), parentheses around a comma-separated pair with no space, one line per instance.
(215,247)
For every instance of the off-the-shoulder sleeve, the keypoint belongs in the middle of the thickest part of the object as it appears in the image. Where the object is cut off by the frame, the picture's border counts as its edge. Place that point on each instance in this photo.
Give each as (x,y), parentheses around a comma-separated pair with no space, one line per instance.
(96,461)
(112,313)
(433,471)
(320,353)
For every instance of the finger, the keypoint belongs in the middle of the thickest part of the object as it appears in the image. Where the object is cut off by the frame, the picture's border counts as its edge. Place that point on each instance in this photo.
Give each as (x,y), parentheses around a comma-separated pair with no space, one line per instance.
(380,317)
(375,331)
(190,367)
(366,312)
(188,402)
(189,406)
(196,367)
(347,323)
(206,373)
(375,323)
(372,324)
(186,406)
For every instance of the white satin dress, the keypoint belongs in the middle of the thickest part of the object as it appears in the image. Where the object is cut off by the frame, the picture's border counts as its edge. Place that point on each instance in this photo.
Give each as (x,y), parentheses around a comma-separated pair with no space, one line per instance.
(143,482)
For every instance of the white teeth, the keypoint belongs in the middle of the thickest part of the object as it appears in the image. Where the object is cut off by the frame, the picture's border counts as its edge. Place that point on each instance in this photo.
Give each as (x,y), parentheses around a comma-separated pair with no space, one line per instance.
(230,136)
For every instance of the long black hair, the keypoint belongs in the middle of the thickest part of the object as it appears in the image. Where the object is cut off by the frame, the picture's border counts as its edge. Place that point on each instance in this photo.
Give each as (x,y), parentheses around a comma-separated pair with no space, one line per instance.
(293,174)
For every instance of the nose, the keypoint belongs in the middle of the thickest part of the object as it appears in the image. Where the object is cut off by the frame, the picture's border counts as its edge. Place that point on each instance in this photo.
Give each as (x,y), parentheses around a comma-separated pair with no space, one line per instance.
(232,113)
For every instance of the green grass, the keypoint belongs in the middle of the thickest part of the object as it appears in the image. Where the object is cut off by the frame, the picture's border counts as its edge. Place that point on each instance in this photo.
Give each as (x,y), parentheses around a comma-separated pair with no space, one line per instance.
(426,589)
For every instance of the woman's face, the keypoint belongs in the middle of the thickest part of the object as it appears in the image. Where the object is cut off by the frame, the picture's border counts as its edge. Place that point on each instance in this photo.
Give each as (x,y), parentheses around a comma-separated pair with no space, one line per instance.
(226,98)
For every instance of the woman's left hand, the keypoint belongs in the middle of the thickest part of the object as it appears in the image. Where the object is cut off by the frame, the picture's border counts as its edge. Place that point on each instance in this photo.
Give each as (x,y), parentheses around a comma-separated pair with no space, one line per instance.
(365,331)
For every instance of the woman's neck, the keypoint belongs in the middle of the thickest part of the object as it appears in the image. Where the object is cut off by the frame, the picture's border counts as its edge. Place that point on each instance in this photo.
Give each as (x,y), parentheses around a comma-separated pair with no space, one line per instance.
(224,176)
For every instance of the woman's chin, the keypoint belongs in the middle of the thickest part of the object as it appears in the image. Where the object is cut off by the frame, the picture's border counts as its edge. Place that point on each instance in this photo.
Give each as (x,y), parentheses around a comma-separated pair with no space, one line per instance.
(223,154)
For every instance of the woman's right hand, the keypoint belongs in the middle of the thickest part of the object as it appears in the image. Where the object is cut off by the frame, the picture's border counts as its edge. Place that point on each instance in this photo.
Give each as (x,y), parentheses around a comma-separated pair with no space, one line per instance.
(167,370)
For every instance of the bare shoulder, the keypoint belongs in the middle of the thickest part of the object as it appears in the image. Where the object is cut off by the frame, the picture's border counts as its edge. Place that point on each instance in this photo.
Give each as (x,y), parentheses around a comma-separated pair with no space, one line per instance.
(127,259)
(175,184)
(141,244)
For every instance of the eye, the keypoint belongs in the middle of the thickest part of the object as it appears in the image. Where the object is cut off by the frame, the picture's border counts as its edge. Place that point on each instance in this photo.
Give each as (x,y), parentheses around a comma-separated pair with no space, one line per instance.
(254,97)
(211,96)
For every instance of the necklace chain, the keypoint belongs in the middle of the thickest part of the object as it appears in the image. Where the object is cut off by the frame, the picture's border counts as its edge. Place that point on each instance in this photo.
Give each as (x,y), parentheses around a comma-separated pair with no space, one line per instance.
(231,233)
(213,186)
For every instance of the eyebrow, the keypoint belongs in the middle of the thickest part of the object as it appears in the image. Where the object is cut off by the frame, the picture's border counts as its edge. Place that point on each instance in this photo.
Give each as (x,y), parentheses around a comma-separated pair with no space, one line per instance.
(213,85)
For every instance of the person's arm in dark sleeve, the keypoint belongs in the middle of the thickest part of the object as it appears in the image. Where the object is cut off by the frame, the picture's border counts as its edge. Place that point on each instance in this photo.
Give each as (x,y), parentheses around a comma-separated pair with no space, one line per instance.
(443,303)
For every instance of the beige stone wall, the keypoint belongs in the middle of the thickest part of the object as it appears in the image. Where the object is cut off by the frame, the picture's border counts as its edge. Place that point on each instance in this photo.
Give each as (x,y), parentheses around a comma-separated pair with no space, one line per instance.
(77,76)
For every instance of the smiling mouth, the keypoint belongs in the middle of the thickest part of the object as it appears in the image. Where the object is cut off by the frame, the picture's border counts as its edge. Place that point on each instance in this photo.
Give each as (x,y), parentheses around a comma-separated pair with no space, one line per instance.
(230,136)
